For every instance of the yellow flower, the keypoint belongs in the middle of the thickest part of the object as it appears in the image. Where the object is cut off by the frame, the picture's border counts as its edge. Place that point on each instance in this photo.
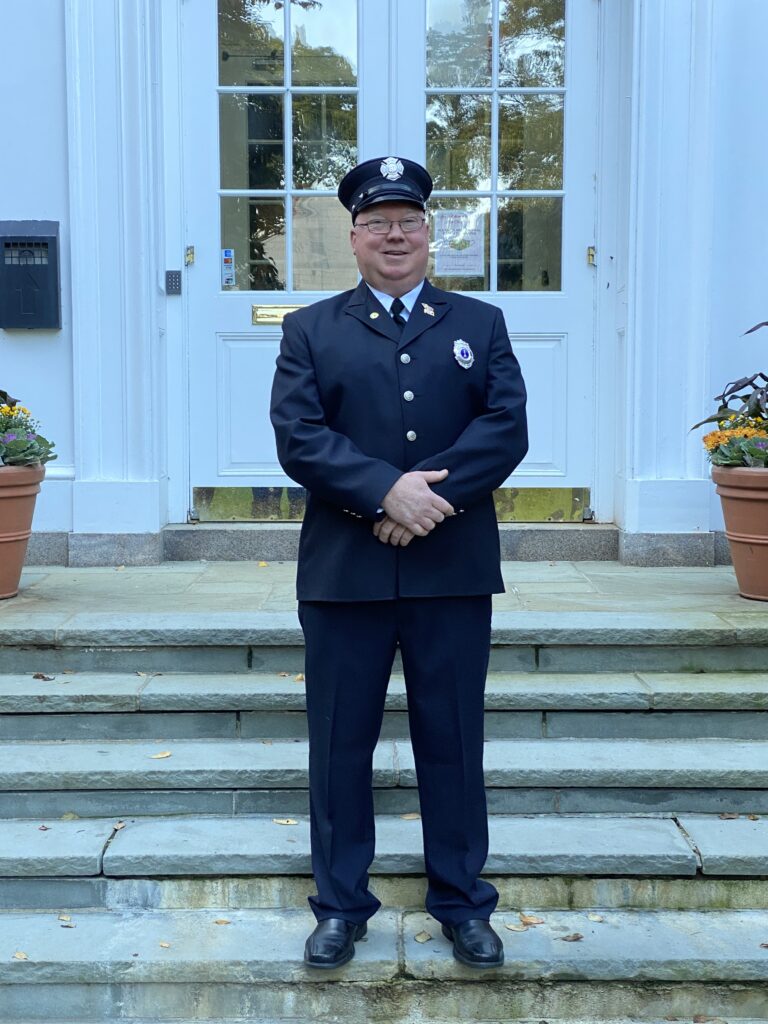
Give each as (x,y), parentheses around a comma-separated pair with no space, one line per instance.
(717,437)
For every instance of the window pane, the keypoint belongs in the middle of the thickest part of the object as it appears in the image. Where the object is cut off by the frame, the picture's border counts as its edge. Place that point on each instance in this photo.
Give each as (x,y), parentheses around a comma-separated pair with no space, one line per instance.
(255,230)
(532,43)
(459,141)
(324,139)
(251,141)
(460,243)
(322,256)
(324,42)
(250,42)
(459,43)
(529,248)
(530,142)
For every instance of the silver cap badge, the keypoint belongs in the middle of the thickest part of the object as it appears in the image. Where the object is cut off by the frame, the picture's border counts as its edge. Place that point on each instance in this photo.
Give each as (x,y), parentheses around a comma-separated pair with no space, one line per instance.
(392,168)
(463,354)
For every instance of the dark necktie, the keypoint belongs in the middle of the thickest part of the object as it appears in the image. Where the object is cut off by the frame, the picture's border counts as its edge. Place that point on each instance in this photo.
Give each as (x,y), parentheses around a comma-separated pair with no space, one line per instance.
(396,309)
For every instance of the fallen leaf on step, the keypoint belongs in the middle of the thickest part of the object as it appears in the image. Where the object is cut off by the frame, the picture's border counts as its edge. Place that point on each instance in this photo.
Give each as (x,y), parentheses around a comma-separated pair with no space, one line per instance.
(754,817)
(165,945)
(164,753)
(516,927)
(285,821)
(69,671)
(263,565)
(65,917)
(728,815)
(42,675)
(44,828)
(283,675)
(573,937)
(267,743)
(119,568)
(68,926)
(410,816)
(70,816)
(20,956)
(299,678)
(222,920)
(422,937)
(118,825)
(531,919)
(595,917)
(142,674)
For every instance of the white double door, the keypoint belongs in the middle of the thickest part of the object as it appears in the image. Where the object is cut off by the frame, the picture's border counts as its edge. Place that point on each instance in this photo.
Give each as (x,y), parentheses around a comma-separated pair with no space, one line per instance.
(497,97)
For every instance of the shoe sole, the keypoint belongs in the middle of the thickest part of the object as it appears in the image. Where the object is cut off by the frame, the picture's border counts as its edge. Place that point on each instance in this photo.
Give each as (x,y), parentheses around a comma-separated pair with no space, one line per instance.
(476,964)
(360,932)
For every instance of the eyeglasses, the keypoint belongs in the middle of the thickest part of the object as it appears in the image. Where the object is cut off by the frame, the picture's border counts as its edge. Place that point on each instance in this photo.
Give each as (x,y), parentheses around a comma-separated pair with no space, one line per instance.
(382,226)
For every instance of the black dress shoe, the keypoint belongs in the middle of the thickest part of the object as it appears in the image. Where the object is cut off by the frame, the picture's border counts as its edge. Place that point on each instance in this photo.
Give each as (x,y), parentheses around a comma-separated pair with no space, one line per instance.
(332,943)
(475,943)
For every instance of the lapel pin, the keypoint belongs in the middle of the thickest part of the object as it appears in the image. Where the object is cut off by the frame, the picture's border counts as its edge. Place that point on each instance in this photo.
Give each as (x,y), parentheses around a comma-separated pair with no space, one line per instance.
(463,354)
(374,316)
(427,309)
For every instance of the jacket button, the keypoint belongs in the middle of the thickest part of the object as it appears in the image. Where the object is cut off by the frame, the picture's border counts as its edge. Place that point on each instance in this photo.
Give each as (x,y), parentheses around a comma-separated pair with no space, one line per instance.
(405,358)
(408,396)
(411,435)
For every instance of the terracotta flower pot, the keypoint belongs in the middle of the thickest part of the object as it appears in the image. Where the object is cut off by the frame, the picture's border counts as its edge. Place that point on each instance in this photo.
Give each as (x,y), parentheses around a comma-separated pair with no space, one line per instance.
(19,487)
(744,495)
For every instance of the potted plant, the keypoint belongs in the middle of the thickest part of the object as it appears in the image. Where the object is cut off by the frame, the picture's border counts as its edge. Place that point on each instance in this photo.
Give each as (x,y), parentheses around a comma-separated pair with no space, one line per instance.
(738,451)
(23,454)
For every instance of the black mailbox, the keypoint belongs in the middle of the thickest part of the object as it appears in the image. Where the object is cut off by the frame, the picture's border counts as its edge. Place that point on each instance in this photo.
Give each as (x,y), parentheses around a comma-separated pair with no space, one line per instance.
(30,288)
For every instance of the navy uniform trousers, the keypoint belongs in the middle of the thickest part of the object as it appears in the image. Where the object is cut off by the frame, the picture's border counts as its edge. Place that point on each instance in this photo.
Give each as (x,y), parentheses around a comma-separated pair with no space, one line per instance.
(350,648)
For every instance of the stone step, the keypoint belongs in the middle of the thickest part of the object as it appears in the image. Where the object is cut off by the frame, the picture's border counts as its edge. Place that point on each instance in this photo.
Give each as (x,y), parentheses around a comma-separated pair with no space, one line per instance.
(282,764)
(522,641)
(270,705)
(262,845)
(176,964)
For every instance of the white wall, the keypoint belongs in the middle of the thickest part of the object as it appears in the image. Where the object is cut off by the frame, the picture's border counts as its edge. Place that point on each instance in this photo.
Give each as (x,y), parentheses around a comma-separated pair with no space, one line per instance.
(740,215)
(694,234)
(36,366)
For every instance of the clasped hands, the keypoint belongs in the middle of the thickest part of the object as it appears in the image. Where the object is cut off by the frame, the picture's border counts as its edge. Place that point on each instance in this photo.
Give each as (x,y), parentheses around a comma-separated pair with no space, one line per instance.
(412,508)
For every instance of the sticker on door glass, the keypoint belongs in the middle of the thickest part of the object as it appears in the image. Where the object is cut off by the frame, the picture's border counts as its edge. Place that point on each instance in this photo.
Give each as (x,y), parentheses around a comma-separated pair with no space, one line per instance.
(459,243)
(227,268)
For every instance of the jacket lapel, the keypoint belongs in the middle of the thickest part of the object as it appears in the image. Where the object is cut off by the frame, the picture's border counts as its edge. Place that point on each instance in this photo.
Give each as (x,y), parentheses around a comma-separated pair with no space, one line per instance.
(420,320)
(365,307)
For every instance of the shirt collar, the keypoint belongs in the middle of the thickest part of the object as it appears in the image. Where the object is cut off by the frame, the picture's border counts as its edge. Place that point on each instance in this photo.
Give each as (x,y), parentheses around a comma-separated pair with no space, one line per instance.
(408,300)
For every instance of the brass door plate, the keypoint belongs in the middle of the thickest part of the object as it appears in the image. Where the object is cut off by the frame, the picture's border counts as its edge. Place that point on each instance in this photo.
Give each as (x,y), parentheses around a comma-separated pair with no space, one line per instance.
(261,315)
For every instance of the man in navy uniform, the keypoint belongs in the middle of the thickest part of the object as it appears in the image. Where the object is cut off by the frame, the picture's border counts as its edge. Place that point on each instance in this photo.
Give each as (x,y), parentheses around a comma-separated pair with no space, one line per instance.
(400,408)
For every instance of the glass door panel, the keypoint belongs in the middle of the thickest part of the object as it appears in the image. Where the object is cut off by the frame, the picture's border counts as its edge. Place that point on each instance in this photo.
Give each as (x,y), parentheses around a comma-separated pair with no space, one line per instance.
(287,134)
(495,130)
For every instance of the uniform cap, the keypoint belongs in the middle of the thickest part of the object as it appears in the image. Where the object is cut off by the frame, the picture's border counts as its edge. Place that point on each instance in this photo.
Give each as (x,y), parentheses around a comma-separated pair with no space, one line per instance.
(385,178)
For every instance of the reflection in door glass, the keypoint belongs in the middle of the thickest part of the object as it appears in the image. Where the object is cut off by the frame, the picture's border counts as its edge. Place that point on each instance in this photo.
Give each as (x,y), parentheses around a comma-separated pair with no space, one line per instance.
(250,42)
(324,43)
(322,256)
(324,139)
(459,141)
(459,43)
(532,43)
(529,244)
(530,141)
(251,141)
(255,229)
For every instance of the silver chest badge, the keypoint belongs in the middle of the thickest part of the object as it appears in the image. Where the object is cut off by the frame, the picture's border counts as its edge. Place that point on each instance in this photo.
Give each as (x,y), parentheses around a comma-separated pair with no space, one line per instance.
(463,354)
(392,168)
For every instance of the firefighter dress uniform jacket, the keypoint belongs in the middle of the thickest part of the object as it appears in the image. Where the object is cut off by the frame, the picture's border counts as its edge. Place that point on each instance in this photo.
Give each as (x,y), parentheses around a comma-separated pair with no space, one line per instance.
(356,403)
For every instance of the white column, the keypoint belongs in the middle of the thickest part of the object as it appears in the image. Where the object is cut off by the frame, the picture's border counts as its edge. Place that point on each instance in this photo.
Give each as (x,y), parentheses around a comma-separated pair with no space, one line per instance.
(663,482)
(114,110)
